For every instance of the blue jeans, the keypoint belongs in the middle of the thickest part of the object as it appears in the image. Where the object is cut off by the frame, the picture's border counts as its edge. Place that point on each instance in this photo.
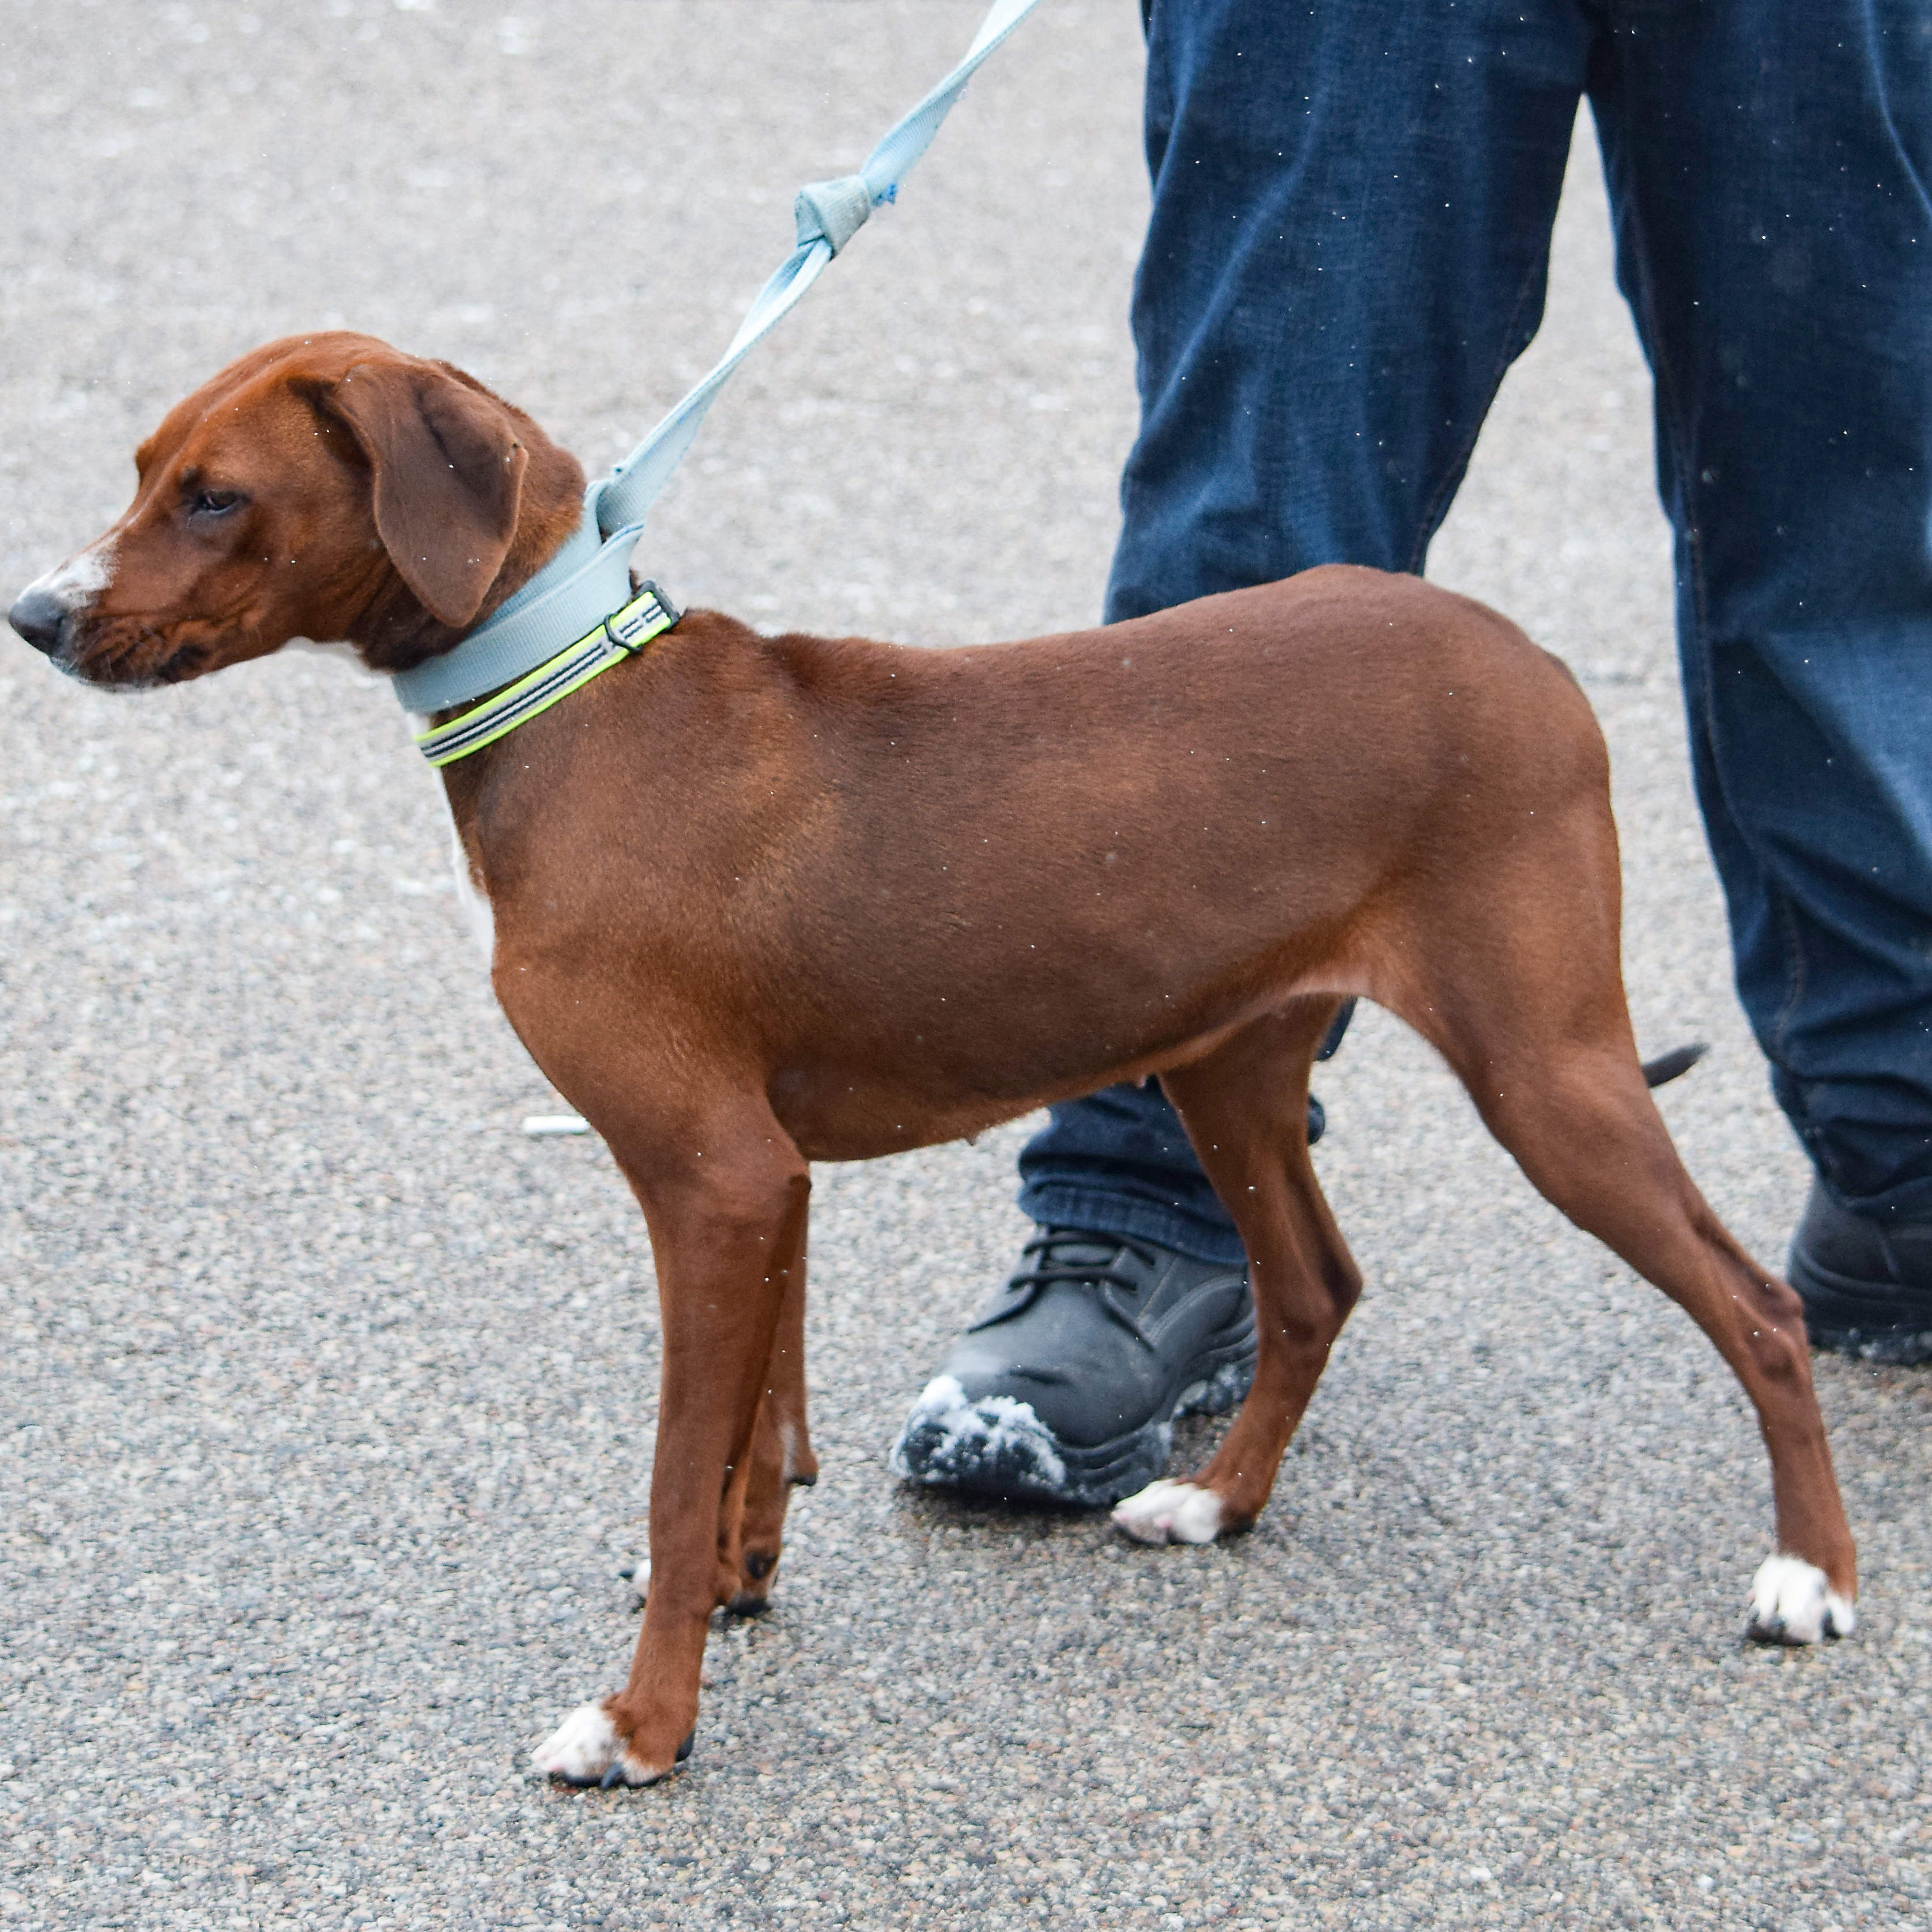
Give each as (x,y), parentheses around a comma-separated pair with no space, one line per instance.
(1350,230)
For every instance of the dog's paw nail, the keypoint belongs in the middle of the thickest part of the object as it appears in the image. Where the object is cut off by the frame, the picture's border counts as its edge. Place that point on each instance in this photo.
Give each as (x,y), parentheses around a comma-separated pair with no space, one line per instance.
(1171,1512)
(1792,1602)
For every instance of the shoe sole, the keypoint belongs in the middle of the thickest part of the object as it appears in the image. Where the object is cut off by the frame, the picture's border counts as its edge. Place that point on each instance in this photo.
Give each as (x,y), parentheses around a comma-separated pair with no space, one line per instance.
(1839,1315)
(1891,1348)
(997,1447)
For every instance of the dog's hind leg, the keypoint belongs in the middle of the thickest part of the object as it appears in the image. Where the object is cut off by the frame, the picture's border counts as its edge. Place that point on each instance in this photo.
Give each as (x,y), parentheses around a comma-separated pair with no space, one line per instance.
(1246,1109)
(1583,1127)
(1528,1009)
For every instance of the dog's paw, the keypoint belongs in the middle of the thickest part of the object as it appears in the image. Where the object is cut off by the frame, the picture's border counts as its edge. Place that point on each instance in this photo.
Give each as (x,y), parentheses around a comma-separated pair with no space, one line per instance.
(1792,1602)
(585,1749)
(750,1595)
(582,1748)
(1165,1512)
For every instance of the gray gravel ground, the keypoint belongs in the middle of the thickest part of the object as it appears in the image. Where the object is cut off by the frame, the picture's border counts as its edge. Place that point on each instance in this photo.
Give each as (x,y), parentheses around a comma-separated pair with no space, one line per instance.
(328,1398)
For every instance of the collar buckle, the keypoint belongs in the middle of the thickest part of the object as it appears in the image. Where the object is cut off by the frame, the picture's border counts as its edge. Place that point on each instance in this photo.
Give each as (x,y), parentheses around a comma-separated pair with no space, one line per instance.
(646,616)
(617,639)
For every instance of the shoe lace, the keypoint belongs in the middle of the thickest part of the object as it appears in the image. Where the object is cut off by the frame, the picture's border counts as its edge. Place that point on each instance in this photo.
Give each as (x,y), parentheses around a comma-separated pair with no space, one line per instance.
(1088,1272)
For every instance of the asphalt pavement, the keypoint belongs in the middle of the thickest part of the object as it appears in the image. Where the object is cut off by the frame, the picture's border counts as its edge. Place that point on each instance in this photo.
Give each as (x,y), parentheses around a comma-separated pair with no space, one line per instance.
(327,1400)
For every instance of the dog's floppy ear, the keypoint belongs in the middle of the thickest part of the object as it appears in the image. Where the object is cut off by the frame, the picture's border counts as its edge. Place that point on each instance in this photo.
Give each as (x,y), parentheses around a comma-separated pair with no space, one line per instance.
(448,473)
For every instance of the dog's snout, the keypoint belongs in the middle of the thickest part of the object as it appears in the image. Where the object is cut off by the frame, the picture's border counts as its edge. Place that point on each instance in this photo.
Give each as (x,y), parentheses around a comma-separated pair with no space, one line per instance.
(37,615)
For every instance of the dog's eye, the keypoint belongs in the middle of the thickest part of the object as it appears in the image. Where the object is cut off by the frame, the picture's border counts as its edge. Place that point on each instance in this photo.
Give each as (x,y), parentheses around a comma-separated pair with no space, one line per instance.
(213,502)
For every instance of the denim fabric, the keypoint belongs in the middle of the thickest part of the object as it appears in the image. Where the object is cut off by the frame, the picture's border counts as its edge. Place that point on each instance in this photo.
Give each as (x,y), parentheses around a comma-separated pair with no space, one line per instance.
(1120,1161)
(1351,228)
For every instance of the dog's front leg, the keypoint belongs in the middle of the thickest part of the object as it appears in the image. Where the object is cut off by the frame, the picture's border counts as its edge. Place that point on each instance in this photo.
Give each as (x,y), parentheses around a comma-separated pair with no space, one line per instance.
(727,1218)
(751,1526)
(751,1529)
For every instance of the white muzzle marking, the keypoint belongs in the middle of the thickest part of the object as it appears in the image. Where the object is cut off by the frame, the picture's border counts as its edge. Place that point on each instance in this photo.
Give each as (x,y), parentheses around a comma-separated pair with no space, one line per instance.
(77,582)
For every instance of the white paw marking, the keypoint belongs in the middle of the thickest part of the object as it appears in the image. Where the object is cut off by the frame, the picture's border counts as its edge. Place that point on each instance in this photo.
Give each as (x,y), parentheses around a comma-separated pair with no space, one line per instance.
(582,1748)
(641,1580)
(585,1749)
(1792,1602)
(1165,1512)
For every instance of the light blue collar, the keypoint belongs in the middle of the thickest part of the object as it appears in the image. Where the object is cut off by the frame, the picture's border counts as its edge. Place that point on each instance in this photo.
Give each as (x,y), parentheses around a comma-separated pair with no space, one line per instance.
(572,594)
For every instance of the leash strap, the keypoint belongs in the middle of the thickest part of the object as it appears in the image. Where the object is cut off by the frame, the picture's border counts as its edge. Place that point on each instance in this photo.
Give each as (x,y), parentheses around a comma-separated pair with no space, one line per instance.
(828,214)
(648,615)
(591,573)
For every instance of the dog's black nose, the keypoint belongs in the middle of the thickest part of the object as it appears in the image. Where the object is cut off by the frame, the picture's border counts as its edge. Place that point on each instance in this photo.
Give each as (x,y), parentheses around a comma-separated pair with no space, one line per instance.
(37,615)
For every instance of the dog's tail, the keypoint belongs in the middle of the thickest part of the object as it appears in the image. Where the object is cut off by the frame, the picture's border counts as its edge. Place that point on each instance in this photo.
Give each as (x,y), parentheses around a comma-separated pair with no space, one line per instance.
(1668,1065)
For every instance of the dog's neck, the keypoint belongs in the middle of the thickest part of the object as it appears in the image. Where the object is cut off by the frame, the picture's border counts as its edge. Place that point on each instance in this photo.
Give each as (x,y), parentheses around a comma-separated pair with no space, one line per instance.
(390,629)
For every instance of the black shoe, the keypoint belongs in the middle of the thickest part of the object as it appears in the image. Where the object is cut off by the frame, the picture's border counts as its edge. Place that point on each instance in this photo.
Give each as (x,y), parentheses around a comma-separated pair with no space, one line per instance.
(1867,1286)
(1068,1384)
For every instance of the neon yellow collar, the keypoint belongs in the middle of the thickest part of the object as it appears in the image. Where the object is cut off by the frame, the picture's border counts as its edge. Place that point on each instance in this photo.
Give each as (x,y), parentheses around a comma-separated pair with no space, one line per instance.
(623,634)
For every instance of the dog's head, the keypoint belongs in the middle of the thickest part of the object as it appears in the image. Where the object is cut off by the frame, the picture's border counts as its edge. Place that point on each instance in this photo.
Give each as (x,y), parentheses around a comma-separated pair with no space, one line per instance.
(325,487)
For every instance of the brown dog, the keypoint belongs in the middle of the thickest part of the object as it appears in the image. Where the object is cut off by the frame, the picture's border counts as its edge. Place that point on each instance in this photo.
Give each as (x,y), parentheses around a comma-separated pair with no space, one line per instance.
(759,901)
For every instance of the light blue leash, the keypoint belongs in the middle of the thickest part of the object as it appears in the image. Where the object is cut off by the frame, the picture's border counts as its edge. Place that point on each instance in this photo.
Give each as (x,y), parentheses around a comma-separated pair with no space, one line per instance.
(589,578)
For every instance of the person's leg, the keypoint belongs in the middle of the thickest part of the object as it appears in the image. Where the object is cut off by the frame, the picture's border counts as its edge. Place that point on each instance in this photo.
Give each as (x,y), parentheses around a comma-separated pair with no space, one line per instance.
(1768,171)
(1351,227)
(1348,248)
(1119,1162)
